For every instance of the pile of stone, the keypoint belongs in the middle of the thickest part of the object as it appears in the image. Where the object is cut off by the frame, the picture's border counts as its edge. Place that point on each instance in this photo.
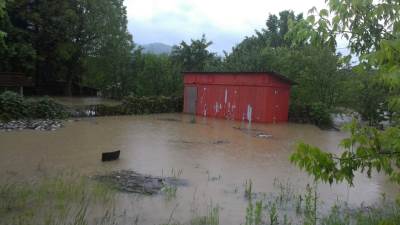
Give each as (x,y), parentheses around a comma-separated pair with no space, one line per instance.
(37,124)
(133,182)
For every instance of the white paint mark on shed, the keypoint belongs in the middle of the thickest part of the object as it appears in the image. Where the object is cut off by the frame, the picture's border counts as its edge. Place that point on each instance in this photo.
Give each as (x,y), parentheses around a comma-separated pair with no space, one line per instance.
(249,112)
(226,95)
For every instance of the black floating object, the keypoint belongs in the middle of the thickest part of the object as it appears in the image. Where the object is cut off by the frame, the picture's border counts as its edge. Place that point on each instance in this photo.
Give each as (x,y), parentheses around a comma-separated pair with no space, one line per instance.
(110,156)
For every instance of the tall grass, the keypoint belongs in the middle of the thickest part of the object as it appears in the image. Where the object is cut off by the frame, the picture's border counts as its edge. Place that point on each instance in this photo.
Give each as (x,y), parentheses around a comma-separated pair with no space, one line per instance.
(170,189)
(288,207)
(62,199)
(382,214)
(70,199)
(212,217)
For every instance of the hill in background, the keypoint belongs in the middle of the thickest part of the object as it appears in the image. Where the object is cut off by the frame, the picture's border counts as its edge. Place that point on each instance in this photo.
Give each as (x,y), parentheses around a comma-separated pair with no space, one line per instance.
(157,48)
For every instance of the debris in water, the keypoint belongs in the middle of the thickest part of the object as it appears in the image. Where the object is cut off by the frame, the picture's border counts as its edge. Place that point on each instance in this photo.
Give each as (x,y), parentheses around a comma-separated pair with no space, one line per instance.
(215,178)
(170,119)
(132,182)
(110,156)
(216,142)
(254,132)
(263,135)
(186,142)
(220,142)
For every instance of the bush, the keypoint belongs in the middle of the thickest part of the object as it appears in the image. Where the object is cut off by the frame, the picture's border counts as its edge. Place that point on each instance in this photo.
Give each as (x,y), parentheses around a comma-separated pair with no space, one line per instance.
(315,113)
(139,105)
(146,105)
(46,108)
(106,110)
(12,106)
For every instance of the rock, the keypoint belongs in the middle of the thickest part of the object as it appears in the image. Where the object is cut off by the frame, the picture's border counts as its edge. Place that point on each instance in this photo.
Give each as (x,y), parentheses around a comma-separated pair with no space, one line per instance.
(38,124)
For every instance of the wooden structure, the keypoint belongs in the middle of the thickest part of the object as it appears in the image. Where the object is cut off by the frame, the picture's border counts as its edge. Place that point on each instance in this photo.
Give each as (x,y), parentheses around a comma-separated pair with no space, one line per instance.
(247,96)
(14,81)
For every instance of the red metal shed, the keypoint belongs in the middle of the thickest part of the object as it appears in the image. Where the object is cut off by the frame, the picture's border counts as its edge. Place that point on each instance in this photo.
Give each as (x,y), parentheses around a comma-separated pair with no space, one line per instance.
(249,96)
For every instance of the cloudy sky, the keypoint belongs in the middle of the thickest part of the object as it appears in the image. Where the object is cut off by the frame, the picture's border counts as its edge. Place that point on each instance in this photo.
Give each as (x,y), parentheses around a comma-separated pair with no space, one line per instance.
(225,22)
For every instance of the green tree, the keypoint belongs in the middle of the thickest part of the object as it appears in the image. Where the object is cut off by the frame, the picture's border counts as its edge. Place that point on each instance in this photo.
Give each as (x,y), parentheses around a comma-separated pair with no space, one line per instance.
(102,24)
(157,75)
(193,56)
(57,40)
(373,31)
(367,95)
(17,52)
(314,69)
(108,64)
(248,55)
(2,13)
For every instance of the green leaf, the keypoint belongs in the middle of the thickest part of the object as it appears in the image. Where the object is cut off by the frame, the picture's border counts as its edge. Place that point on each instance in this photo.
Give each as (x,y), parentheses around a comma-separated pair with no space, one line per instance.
(323,13)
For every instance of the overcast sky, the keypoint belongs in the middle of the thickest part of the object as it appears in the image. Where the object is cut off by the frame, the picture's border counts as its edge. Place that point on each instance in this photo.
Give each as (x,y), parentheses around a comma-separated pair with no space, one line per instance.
(225,22)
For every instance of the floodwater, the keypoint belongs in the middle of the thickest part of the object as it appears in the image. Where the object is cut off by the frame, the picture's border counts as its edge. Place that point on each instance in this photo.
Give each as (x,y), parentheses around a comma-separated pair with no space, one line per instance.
(214,156)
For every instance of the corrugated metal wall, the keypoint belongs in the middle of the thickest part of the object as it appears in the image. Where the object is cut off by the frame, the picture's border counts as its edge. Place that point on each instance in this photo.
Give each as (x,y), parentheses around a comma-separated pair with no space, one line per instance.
(255,97)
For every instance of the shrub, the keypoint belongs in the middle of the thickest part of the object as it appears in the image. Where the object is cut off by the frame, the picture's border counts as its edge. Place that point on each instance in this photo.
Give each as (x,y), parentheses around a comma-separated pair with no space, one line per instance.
(320,115)
(315,113)
(106,110)
(146,105)
(12,106)
(46,108)
(139,105)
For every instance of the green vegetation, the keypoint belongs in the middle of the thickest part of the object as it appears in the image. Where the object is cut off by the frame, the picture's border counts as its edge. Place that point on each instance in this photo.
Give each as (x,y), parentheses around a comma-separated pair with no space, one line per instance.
(195,56)
(319,71)
(140,105)
(68,198)
(90,46)
(387,215)
(373,31)
(81,37)
(314,113)
(254,213)
(144,105)
(13,106)
(61,199)
(287,206)
(212,217)
(170,189)
(46,108)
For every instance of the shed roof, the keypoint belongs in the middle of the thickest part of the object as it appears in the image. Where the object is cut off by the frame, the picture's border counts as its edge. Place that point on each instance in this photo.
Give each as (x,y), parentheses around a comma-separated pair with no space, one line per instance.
(271,73)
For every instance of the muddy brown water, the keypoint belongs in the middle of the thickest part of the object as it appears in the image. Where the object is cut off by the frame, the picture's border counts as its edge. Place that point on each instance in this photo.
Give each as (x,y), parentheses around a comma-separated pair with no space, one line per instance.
(214,156)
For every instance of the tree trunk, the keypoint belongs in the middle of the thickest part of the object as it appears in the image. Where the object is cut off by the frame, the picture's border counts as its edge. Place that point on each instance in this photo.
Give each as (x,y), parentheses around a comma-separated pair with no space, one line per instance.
(68,85)
(73,72)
